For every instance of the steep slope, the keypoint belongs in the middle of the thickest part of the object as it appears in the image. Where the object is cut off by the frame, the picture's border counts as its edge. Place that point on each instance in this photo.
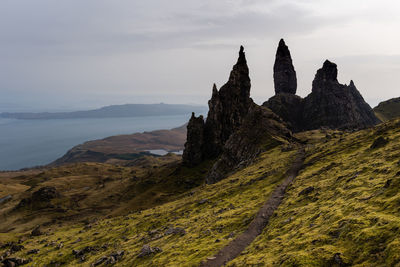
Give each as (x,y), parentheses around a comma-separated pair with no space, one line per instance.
(342,210)
(388,110)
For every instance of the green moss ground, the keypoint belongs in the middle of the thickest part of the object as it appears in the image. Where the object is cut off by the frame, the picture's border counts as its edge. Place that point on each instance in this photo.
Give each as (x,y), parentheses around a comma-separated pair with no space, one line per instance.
(227,210)
(353,210)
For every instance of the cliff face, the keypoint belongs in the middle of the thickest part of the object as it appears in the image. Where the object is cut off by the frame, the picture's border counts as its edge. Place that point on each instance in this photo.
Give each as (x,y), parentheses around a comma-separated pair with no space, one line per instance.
(335,105)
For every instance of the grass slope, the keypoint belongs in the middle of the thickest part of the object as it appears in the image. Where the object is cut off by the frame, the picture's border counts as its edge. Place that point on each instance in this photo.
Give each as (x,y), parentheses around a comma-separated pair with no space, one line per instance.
(349,215)
(211,215)
(388,110)
(343,209)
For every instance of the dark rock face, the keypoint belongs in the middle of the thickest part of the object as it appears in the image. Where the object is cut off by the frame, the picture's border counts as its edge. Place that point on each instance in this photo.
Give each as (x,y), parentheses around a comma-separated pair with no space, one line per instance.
(227,108)
(285,80)
(335,105)
(193,153)
(289,107)
(258,133)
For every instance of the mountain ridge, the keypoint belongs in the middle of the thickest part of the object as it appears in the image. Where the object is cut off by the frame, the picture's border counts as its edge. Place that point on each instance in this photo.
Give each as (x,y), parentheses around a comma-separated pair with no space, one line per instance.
(112,111)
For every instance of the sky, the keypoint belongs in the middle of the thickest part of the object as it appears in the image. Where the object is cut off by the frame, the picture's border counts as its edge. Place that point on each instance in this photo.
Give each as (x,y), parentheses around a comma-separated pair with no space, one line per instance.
(76,54)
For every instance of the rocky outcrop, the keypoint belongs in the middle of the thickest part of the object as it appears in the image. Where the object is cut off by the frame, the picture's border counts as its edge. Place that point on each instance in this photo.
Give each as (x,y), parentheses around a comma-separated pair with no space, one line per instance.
(40,199)
(193,153)
(227,109)
(289,107)
(260,131)
(330,103)
(335,105)
(285,80)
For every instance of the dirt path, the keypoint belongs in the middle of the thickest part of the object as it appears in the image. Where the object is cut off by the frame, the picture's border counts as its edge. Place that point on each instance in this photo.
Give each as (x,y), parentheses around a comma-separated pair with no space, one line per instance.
(236,246)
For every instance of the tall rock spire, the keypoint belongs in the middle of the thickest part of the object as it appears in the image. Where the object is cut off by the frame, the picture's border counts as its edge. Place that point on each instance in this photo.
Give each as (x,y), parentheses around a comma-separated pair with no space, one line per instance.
(285,80)
(227,107)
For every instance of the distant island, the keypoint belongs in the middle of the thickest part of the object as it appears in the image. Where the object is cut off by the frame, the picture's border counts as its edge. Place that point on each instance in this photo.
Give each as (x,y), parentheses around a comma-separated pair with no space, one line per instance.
(113,111)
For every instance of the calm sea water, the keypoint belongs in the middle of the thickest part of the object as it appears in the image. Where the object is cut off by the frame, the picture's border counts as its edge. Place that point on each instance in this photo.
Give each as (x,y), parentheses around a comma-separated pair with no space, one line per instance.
(27,143)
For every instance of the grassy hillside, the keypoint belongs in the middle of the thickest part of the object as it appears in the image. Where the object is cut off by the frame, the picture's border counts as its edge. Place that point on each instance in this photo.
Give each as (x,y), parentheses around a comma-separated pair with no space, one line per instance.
(210,215)
(342,210)
(388,110)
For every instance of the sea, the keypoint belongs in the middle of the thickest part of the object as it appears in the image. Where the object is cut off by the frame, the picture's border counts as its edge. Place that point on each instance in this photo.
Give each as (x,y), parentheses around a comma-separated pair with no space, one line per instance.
(30,143)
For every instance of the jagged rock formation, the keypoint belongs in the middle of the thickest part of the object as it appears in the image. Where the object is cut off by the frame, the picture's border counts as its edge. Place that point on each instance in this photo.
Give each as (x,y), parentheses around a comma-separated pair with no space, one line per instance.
(330,103)
(260,131)
(285,80)
(227,108)
(193,155)
(335,105)
(236,128)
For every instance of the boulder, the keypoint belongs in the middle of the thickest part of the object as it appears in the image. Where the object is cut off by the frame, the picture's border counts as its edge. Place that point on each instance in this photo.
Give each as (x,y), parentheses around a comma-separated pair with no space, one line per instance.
(147,251)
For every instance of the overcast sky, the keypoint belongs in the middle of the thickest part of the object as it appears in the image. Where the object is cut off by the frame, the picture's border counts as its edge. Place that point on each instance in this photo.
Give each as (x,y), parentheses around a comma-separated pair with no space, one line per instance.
(69,54)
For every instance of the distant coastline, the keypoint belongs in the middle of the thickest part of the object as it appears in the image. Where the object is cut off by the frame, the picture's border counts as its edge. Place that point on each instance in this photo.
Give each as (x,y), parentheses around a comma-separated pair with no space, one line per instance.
(113,111)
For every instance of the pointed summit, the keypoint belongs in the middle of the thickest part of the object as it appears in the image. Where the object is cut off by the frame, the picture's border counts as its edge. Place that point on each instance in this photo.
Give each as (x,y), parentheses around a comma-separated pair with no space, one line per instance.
(242,57)
(227,107)
(285,80)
